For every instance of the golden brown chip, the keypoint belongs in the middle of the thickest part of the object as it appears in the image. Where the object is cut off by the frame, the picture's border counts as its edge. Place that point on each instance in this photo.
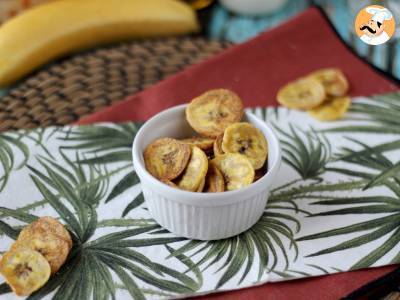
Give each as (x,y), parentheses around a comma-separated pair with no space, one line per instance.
(246,139)
(218,145)
(214,180)
(201,186)
(304,93)
(204,143)
(54,249)
(195,171)
(331,110)
(333,80)
(24,270)
(210,113)
(44,226)
(236,169)
(170,183)
(166,158)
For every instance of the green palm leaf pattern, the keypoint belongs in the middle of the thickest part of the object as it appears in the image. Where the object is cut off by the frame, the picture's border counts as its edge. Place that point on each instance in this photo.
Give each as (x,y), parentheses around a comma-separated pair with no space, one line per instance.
(334,206)
(74,191)
(102,144)
(307,154)
(261,243)
(372,164)
(9,144)
(380,116)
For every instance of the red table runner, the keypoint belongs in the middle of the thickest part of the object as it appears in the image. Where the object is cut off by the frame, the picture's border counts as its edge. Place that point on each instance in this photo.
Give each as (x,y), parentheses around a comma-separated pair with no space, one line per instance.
(256,70)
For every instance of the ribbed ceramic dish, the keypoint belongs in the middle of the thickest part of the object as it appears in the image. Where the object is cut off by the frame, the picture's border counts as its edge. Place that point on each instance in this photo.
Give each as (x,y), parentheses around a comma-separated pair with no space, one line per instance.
(202,216)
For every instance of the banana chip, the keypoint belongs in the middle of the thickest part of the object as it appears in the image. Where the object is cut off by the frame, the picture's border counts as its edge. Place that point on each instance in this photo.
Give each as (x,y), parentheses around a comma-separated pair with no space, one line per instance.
(44,226)
(217,147)
(166,158)
(236,169)
(203,143)
(24,270)
(331,110)
(210,113)
(54,249)
(333,80)
(246,139)
(304,93)
(195,171)
(214,180)
(201,186)
(170,183)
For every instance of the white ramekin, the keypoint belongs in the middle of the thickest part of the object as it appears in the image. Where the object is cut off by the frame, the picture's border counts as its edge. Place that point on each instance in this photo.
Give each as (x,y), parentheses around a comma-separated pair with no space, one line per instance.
(202,216)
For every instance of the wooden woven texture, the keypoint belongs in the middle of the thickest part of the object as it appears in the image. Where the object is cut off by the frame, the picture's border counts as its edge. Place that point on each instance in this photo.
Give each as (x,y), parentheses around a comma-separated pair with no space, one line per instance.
(87,82)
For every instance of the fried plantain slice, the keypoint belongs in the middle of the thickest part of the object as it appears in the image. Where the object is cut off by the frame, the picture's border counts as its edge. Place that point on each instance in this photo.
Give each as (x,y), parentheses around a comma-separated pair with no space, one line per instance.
(25,270)
(44,226)
(170,183)
(201,186)
(204,143)
(246,139)
(218,145)
(54,249)
(195,171)
(304,93)
(236,169)
(210,113)
(331,110)
(166,158)
(333,80)
(214,180)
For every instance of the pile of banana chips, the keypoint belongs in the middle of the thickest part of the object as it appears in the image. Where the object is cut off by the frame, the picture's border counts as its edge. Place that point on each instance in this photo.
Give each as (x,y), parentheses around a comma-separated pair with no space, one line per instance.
(322,93)
(39,252)
(226,155)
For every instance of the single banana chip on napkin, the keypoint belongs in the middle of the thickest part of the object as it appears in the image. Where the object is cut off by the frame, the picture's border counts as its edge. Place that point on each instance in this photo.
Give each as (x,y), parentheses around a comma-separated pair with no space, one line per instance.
(304,93)
(246,139)
(333,80)
(54,249)
(210,113)
(25,270)
(44,226)
(195,171)
(331,110)
(236,169)
(166,158)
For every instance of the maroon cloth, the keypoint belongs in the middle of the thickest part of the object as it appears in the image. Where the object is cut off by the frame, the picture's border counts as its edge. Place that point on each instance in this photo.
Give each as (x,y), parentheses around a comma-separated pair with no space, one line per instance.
(256,70)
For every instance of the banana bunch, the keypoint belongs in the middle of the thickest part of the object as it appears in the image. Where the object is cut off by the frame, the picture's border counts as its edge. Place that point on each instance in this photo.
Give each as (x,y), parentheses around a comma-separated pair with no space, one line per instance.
(52,30)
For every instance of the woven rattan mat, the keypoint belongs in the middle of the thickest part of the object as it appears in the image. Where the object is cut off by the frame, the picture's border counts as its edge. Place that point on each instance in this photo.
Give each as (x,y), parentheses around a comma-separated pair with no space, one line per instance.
(84,83)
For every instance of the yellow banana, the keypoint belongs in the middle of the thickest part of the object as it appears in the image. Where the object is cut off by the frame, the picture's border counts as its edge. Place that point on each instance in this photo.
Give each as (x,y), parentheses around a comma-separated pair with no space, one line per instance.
(54,29)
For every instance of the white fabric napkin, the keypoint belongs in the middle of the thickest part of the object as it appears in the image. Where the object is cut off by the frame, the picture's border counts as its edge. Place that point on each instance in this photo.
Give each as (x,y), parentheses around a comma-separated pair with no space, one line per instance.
(335,206)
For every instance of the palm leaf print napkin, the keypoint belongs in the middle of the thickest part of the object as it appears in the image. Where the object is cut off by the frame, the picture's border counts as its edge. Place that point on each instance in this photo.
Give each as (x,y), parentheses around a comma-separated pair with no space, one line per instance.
(334,207)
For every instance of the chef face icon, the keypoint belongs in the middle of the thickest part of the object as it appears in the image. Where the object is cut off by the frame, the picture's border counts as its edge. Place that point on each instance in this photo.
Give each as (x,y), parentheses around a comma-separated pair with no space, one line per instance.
(375,25)
(372,28)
